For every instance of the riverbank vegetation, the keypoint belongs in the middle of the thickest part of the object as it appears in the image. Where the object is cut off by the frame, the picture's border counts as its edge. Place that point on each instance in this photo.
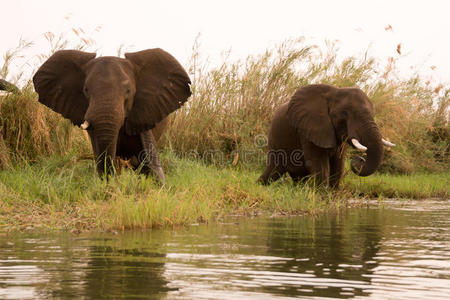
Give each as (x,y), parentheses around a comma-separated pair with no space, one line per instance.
(214,148)
(65,193)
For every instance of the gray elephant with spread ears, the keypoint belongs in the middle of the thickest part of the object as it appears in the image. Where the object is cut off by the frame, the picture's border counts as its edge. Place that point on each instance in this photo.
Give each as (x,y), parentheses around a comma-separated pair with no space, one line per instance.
(121,102)
(310,133)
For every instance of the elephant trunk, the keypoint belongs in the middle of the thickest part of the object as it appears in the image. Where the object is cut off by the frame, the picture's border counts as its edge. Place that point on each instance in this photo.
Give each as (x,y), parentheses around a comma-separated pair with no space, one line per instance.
(7,86)
(105,140)
(370,137)
(104,126)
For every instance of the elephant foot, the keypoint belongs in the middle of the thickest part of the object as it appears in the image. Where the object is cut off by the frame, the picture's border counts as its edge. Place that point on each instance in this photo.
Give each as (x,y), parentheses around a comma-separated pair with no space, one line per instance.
(150,168)
(159,173)
(150,158)
(262,181)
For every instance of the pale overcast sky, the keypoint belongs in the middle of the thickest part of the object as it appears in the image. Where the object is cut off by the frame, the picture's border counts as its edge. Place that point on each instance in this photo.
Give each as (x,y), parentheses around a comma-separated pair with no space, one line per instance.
(245,27)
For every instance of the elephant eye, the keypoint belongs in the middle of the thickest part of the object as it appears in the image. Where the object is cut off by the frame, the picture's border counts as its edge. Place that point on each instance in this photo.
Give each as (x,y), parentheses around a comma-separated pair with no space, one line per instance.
(128,91)
(85,91)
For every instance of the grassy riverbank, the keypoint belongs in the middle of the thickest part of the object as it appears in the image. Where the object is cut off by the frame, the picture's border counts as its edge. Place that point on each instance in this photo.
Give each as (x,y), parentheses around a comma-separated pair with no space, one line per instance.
(47,177)
(65,193)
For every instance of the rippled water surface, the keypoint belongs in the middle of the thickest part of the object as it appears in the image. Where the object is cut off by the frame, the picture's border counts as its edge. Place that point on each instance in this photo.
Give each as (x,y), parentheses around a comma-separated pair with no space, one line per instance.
(398,251)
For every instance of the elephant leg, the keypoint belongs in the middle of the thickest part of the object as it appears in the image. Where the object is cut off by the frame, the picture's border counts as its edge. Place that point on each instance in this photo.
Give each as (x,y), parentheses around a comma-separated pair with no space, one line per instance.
(134,162)
(320,170)
(270,175)
(103,163)
(149,156)
(337,167)
(298,177)
(317,162)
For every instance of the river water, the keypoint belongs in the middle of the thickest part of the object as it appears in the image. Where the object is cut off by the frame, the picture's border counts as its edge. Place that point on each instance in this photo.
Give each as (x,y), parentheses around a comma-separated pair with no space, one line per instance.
(396,250)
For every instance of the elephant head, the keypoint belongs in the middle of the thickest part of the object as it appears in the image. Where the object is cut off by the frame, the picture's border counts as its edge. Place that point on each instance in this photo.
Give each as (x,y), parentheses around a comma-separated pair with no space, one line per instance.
(328,116)
(106,95)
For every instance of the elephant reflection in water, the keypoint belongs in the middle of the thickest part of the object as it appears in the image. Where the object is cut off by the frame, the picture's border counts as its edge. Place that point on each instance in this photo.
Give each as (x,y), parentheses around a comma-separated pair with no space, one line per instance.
(121,102)
(107,268)
(119,273)
(340,249)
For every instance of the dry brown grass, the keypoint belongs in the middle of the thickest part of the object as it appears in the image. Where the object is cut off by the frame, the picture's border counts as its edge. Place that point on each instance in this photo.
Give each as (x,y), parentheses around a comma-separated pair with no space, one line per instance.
(232,105)
(29,130)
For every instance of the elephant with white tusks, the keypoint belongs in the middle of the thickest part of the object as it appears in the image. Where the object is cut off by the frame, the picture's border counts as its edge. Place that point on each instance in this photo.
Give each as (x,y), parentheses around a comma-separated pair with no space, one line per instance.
(310,134)
(121,102)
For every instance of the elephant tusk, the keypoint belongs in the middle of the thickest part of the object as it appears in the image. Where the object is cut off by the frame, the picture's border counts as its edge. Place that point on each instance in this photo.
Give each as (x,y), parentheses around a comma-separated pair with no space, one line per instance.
(85,125)
(387,143)
(358,145)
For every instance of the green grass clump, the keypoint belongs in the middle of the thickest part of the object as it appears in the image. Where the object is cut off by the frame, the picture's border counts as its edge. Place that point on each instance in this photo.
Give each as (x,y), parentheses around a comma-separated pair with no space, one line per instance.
(414,186)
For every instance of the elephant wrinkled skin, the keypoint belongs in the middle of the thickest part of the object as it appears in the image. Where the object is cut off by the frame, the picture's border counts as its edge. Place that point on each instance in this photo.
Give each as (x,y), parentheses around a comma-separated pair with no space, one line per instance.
(121,102)
(310,133)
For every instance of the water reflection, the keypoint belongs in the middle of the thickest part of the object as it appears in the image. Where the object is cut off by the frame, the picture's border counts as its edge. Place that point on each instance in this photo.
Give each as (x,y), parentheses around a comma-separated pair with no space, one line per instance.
(327,256)
(125,273)
(396,252)
(338,250)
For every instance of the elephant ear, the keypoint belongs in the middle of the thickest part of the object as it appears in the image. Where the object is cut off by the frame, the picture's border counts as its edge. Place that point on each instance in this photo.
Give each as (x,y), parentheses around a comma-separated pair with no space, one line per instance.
(308,113)
(59,83)
(162,86)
